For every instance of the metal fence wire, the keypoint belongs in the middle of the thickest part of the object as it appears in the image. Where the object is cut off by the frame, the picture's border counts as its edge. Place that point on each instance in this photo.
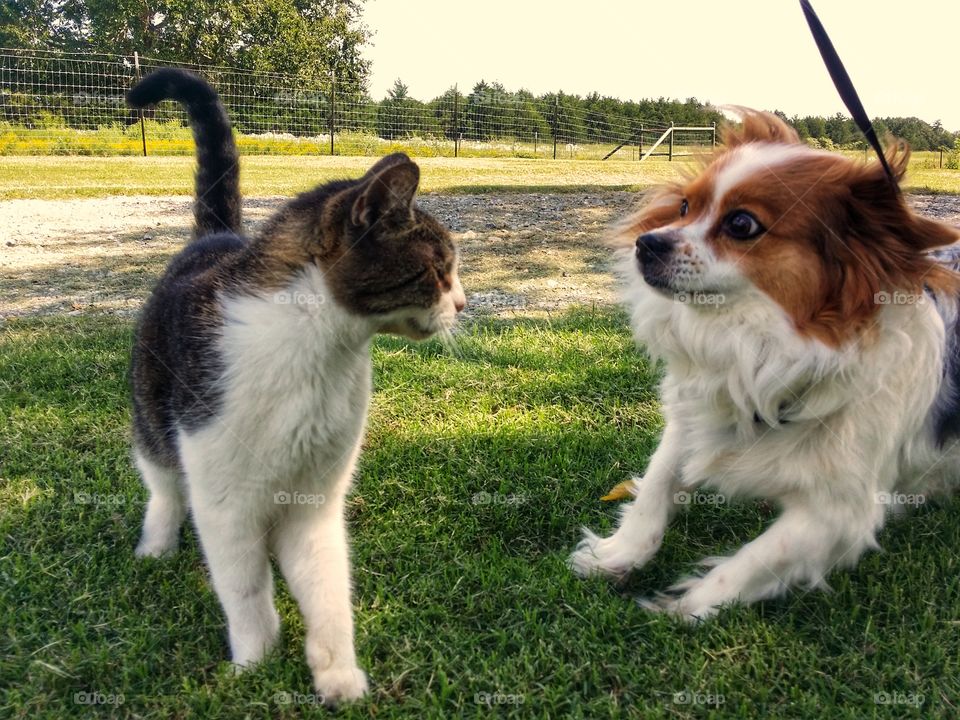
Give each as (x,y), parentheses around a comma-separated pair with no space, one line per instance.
(73,104)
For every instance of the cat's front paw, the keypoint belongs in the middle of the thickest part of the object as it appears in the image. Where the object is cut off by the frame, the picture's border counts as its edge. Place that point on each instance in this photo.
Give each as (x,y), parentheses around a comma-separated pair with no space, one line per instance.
(340,684)
(610,557)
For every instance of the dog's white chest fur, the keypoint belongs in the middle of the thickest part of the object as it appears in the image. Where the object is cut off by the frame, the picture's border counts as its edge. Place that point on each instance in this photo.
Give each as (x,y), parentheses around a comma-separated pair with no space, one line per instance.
(766,413)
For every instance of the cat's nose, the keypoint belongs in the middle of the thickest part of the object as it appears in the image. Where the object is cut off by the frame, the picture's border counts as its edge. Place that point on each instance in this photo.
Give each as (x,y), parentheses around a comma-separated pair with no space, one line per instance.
(459,297)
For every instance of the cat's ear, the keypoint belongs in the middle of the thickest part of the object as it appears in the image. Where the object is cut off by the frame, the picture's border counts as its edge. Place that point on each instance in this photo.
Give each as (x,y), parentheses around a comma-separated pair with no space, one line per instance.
(387,161)
(389,192)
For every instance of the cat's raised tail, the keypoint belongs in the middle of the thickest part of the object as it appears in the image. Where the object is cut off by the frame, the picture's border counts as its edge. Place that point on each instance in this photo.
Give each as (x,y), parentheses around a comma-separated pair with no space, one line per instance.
(217,204)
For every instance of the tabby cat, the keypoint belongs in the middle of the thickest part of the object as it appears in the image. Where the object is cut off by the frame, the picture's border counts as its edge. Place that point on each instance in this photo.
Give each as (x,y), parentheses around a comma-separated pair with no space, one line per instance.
(251,378)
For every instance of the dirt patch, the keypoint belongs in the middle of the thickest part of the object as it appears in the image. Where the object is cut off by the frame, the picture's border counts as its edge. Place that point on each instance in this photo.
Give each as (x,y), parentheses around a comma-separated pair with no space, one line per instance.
(532,252)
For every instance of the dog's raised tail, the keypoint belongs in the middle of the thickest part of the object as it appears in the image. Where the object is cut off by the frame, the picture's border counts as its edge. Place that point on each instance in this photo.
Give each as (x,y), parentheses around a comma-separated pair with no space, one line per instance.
(217,202)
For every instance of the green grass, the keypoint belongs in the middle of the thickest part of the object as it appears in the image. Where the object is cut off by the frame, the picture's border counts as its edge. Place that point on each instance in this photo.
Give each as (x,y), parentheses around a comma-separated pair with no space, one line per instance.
(76,177)
(52,137)
(68,177)
(453,598)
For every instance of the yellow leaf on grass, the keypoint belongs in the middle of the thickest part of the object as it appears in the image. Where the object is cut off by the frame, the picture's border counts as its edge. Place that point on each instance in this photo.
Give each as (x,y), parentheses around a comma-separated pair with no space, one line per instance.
(622,491)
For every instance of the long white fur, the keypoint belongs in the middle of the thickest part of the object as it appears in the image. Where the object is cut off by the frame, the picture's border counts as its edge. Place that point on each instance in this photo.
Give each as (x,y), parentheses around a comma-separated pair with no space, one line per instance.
(296,391)
(838,429)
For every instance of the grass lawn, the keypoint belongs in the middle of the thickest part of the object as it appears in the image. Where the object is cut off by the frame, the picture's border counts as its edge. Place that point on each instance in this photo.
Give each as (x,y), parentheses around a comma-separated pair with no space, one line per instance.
(69,177)
(480,466)
(64,177)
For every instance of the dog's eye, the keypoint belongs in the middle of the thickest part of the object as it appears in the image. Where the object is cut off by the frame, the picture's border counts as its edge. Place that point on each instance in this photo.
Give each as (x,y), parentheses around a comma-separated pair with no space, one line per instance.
(741,225)
(684,208)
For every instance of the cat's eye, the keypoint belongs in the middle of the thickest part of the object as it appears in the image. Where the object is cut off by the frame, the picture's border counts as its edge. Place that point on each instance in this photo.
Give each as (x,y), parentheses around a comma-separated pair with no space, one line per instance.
(742,225)
(684,208)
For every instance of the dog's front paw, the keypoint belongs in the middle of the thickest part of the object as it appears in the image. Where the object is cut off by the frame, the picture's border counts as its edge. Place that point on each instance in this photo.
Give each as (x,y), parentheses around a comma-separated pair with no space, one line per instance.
(678,606)
(340,684)
(154,548)
(693,599)
(608,557)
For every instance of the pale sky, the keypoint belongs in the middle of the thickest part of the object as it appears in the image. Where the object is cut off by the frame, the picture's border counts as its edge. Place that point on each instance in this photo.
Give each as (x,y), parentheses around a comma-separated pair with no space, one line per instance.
(903,56)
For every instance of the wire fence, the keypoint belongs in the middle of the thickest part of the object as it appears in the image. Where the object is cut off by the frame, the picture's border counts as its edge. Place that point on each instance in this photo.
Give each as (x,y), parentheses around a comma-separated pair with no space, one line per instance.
(73,104)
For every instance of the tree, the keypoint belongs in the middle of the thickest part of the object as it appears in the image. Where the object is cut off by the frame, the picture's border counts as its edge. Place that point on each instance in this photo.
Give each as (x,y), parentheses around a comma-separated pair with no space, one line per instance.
(399,92)
(303,38)
(399,115)
(29,23)
(447,109)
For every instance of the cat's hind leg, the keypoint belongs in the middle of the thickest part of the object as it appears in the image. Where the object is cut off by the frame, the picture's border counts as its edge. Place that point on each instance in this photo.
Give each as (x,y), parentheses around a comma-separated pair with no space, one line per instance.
(166,508)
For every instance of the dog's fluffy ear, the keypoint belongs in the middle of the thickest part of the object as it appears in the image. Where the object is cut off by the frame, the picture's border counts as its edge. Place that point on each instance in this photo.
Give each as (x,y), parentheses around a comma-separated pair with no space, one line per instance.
(757,126)
(879,211)
(897,155)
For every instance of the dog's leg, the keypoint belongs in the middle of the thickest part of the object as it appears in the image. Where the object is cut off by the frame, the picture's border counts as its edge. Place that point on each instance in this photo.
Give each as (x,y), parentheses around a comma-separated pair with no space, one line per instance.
(800,548)
(642,521)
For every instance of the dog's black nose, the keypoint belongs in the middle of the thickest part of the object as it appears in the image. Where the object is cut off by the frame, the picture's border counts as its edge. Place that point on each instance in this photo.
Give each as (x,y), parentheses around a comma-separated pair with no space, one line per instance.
(654,246)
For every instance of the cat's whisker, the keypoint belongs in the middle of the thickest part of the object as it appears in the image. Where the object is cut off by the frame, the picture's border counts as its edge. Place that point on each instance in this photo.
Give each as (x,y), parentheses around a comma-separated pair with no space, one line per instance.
(443,335)
(449,341)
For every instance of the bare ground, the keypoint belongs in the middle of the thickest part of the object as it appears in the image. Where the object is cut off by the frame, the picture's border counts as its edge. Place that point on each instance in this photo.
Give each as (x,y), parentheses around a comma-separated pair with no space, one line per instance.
(526,252)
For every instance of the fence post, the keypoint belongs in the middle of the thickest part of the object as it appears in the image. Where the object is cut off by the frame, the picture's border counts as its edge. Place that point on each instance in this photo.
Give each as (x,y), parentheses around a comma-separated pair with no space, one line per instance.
(143,129)
(640,144)
(671,143)
(456,121)
(535,143)
(333,102)
(556,123)
(713,143)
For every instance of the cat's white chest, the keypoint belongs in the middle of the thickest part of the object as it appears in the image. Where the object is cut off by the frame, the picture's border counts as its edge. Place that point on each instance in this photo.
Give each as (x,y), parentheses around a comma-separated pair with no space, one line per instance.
(295,393)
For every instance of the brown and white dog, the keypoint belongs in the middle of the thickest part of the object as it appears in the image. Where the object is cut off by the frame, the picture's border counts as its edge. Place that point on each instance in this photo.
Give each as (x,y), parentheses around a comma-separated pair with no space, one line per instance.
(810,337)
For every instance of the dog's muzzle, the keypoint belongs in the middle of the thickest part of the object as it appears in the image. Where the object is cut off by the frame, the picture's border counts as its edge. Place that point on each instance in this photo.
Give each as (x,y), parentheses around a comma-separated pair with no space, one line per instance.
(654,250)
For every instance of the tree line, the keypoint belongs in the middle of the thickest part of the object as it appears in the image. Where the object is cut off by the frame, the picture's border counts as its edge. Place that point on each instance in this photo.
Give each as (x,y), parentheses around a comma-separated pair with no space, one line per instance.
(489,111)
(839,131)
(311,41)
